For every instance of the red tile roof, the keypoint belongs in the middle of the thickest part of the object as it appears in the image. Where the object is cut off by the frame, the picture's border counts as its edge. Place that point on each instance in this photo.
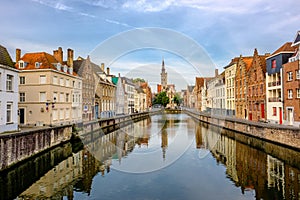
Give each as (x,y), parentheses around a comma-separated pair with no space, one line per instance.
(286,47)
(46,61)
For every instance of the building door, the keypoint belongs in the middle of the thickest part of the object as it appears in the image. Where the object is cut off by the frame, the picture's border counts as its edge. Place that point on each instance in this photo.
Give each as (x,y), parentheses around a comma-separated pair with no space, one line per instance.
(280,115)
(22,115)
(262,110)
(290,116)
(96,111)
(250,116)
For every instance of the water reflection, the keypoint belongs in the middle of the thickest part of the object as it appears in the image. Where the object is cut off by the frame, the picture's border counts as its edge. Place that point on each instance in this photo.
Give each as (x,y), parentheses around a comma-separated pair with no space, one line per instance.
(249,168)
(254,168)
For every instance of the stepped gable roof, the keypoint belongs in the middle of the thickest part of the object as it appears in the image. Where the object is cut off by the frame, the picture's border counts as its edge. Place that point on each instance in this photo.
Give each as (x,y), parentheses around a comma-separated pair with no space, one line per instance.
(46,61)
(248,61)
(5,58)
(285,48)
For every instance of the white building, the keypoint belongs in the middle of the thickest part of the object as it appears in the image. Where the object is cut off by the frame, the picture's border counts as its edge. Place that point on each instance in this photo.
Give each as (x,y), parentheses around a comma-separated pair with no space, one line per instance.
(9,93)
(216,95)
(274,82)
(230,86)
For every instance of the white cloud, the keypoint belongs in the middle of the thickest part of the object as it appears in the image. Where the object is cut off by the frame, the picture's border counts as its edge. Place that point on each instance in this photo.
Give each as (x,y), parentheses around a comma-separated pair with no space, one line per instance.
(118,23)
(55,5)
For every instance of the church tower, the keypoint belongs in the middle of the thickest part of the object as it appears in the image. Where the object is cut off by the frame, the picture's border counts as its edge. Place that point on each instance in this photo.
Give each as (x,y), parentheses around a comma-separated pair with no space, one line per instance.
(163,76)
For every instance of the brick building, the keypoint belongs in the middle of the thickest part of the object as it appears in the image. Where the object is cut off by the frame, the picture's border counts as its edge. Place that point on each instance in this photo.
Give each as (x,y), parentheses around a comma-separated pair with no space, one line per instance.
(243,66)
(256,96)
(291,86)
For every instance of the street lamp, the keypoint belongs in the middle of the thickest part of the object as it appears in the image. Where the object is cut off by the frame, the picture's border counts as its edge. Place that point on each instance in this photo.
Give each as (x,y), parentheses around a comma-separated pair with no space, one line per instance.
(52,104)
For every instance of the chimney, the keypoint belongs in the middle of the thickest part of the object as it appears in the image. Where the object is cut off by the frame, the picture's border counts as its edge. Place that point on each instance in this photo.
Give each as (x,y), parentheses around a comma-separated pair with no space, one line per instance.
(70,58)
(18,55)
(102,66)
(58,55)
(216,72)
(107,71)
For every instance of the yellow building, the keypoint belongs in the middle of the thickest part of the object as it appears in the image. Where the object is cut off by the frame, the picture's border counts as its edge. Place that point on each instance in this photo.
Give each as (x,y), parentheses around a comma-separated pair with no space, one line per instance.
(230,70)
(49,90)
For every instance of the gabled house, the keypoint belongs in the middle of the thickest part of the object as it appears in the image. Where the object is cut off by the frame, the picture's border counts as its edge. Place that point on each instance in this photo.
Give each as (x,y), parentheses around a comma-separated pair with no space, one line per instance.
(241,85)
(274,80)
(49,89)
(230,71)
(9,89)
(291,86)
(84,69)
(256,84)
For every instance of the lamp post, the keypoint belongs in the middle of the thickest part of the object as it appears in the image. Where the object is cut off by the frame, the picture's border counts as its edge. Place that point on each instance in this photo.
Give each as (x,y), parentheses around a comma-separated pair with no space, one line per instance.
(52,104)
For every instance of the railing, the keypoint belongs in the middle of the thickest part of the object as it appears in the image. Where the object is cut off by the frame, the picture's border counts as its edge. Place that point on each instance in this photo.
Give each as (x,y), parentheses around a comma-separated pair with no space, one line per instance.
(274,99)
(274,83)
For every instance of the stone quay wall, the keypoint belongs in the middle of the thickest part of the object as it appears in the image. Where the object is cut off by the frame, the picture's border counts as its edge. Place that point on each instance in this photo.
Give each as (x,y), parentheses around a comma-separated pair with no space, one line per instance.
(16,147)
(288,136)
(19,146)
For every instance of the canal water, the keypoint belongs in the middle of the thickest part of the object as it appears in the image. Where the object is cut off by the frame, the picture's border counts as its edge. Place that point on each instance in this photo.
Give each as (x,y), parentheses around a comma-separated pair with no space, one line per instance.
(167,156)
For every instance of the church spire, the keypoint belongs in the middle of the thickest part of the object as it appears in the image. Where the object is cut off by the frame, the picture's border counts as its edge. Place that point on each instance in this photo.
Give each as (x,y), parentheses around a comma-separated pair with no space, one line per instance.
(163,75)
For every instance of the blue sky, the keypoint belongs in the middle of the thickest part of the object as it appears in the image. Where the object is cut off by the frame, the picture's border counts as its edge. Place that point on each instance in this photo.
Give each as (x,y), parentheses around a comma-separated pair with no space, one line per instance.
(223,29)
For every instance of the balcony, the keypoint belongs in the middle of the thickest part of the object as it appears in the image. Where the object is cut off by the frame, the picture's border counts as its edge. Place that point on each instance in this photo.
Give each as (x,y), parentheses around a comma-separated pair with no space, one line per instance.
(275,83)
(274,99)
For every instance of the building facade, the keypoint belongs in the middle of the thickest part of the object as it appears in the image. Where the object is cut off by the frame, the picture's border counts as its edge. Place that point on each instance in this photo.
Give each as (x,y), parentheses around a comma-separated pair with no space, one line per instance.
(274,80)
(291,86)
(241,84)
(256,97)
(9,89)
(230,71)
(49,89)
(83,67)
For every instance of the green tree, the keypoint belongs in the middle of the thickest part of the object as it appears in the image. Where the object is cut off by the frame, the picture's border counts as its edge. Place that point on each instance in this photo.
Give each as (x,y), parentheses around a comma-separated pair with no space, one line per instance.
(139,80)
(177,99)
(162,99)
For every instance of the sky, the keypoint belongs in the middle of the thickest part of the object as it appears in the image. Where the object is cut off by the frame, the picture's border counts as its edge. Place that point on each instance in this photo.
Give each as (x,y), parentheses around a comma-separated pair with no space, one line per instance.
(132,37)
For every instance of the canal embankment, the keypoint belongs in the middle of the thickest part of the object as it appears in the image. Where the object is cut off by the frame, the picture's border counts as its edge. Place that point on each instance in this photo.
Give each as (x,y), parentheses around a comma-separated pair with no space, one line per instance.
(287,136)
(17,147)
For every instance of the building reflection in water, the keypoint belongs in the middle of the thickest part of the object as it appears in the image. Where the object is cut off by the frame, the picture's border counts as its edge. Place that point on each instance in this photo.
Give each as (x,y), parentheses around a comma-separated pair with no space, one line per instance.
(269,176)
(249,168)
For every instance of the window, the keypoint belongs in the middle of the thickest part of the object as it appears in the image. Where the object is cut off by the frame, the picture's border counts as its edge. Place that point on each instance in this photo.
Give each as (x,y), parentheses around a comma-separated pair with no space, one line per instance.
(55,80)
(42,79)
(61,114)
(297,74)
(290,76)
(54,114)
(298,93)
(274,111)
(9,113)
(22,80)
(42,96)
(67,97)
(61,97)
(61,81)
(274,63)
(290,94)
(22,96)
(67,113)
(37,65)
(55,97)
(73,84)
(67,83)
(9,82)
(21,64)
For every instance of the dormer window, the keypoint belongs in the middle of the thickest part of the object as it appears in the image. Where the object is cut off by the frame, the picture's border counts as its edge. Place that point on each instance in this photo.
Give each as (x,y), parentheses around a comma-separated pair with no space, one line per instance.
(65,68)
(58,66)
(70,70)
(21,64)
(37,65)
(273,63)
